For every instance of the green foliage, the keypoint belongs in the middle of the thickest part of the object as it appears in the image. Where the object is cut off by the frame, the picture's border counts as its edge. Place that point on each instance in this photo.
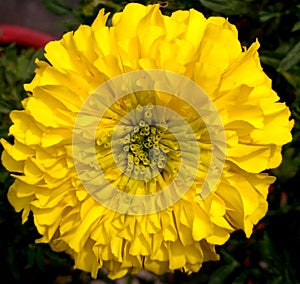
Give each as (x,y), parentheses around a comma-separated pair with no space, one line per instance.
(227,8)
(224,271)
(291,59)
(21,260)
(271,255)
(58,7)
(15,69)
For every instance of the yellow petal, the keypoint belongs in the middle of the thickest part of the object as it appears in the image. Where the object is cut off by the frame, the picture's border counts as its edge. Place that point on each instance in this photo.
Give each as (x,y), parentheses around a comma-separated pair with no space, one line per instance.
(17,202)
(100,20)
(11,164)
(246,70)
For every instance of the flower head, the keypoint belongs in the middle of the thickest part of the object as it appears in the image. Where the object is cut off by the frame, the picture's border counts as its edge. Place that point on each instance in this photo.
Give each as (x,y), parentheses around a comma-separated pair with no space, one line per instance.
(144,144)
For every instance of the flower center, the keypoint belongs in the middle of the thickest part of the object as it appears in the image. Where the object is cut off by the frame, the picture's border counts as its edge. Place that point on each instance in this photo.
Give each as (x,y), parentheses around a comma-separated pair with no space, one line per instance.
(140,145)
(143,146)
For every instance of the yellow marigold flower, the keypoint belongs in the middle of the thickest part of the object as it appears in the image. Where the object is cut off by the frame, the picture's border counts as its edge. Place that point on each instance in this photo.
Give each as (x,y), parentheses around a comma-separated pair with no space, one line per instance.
(129,169)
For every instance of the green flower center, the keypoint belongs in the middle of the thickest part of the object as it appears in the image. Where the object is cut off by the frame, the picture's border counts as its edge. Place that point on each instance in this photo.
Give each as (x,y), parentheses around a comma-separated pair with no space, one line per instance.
(144,140)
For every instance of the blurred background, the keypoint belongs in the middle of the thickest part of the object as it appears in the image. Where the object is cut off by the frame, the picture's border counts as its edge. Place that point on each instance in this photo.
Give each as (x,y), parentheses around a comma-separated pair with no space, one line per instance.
(34,14)
(272,254)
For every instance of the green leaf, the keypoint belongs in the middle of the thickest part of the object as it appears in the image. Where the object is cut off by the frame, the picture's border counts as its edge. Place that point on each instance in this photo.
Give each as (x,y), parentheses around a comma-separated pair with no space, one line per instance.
(267,250)
(270,60)
(290,165)
(266,16)
(296,27)
(4,108)
(226,7)
(291,59)
(11,260)
(31,255)
(40,257)
(57,7)
(219,275)
(293,79)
